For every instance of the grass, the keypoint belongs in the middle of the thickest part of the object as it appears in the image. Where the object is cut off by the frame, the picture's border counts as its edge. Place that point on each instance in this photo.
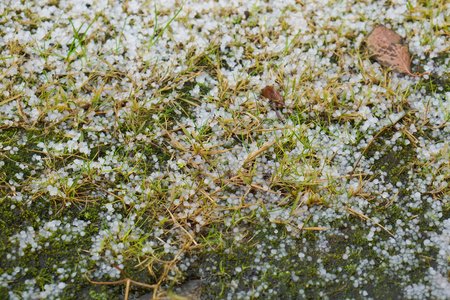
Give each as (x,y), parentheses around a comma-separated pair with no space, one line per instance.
(139,166)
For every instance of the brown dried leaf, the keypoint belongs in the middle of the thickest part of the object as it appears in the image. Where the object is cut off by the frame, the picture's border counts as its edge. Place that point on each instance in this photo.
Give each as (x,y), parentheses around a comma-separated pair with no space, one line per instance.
(273,95)
(390,50)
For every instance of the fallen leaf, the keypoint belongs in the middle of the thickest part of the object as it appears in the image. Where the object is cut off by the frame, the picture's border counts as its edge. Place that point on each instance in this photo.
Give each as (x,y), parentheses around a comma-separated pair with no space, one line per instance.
(273,95)
(275,99)
(390,50)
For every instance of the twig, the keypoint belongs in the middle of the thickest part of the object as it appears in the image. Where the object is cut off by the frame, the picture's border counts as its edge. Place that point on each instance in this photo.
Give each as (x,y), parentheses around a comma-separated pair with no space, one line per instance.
(276,111)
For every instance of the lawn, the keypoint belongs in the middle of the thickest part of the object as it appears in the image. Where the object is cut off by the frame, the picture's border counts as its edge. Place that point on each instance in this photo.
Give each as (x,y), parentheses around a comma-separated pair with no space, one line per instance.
(141,154)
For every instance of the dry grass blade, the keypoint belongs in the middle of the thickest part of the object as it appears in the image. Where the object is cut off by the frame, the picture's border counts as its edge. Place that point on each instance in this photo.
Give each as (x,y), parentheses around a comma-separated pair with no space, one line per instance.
(12,98)
(390,50)
(254,154)
(315,228)
(367,218)
(128,282)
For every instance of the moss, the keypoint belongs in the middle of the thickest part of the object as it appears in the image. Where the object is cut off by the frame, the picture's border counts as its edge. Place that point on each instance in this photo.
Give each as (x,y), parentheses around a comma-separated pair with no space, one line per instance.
(220,266)
(43,264)
(394,163)
(10,137)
